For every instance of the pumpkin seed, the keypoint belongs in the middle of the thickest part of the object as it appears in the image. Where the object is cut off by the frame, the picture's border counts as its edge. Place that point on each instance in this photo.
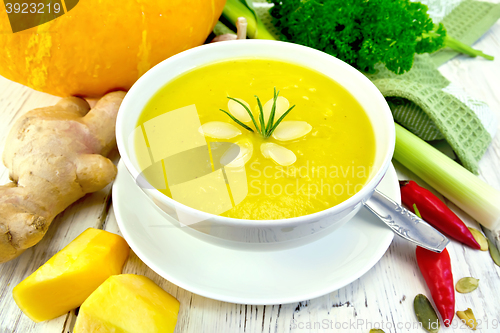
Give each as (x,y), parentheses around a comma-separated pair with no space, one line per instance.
(468,318)
(278,154)
(238,111)
(376,330)
(282,104)
(291,130)
(426,314)
(495,254)
(478,236)
(466,285)
(244,154)
(219,130)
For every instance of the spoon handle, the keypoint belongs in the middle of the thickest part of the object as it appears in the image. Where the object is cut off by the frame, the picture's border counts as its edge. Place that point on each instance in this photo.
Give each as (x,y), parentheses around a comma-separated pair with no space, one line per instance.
(406,224)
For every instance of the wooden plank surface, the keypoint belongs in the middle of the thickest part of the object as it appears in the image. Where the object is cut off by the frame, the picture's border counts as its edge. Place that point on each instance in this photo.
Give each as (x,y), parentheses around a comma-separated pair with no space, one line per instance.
(384,295)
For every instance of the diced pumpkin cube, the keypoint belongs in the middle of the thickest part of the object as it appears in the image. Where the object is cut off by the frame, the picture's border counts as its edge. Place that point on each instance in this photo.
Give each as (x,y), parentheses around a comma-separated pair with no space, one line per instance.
(71,275)
(128,303)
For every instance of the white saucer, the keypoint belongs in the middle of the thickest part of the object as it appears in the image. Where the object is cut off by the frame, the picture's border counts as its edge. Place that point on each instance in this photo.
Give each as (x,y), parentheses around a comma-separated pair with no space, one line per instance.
(243,275)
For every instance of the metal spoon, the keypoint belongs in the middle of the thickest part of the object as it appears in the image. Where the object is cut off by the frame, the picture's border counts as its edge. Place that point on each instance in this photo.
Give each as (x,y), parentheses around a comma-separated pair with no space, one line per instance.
(406,224)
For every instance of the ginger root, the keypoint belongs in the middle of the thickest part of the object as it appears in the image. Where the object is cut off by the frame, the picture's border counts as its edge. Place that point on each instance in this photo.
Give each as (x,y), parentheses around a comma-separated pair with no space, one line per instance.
(54,155)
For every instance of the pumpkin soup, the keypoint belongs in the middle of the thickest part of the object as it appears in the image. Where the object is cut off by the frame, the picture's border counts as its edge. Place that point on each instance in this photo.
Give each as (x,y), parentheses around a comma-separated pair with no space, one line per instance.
(305,144)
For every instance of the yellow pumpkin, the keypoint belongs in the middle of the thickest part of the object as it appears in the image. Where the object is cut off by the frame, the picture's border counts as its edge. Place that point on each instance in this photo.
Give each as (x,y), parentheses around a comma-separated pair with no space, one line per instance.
(100,46)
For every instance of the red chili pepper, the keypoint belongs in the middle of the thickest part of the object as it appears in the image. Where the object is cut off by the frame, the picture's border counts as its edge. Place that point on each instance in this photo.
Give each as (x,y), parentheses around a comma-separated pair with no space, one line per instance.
(436,269)
(436,213)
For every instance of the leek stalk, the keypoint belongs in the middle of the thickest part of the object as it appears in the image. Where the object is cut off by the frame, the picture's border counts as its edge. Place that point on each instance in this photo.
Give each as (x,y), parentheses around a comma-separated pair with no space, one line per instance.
(460,186)
(255,28)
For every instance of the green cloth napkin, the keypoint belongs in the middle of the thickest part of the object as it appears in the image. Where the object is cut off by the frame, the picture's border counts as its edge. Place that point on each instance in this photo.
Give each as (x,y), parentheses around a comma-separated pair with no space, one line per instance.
(424,101)
(419,102)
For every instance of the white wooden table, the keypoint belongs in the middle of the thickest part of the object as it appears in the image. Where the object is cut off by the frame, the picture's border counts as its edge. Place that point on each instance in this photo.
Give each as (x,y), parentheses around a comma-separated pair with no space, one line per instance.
(383,296)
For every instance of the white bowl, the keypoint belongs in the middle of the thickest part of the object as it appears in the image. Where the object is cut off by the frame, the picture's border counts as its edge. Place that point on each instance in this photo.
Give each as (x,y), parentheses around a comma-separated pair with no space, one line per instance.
(306,228)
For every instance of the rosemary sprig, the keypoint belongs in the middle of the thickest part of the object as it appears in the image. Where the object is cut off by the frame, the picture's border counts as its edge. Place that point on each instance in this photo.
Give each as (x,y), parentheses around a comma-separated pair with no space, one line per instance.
(237,121)
(273,111)
(261,117)
(248,111)
(266,130)
(280,120)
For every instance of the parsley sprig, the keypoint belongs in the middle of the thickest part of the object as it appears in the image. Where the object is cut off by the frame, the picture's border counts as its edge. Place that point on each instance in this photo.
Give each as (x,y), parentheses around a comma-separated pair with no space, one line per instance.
(266,130)
(364,33)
